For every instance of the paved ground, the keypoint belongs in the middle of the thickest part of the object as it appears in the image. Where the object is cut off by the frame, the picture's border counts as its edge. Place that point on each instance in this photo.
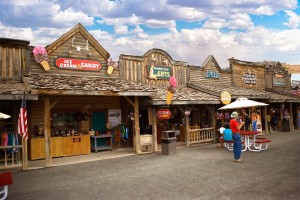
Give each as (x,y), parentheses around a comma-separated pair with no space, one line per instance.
(199,172)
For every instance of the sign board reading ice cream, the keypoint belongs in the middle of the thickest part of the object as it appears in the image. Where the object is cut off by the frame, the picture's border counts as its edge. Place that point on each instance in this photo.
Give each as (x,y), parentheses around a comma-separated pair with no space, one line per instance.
(78,64)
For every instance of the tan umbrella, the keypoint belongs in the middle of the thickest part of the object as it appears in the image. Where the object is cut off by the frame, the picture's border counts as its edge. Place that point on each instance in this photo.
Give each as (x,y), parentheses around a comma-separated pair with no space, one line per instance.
(4,116)
(242,103)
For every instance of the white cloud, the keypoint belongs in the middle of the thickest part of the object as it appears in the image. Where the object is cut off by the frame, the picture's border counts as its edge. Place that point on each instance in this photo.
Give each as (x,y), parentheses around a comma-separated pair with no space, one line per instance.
(69,17)
(294,19)
(121,29)
(264,10)
(214,23)
(154,23)
(240,21)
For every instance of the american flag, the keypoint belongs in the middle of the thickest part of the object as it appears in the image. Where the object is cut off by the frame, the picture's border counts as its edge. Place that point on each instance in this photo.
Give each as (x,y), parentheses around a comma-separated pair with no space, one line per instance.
(22,121)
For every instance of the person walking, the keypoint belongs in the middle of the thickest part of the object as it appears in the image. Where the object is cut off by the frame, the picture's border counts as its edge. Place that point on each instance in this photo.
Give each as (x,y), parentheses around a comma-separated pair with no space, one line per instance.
(235,126)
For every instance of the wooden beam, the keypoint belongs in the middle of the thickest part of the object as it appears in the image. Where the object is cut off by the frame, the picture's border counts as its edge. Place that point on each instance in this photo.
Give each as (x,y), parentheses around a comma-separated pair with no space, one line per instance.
(55,102)
(129,100)
(137,125)
(154,129)
(186,128)
(47,131)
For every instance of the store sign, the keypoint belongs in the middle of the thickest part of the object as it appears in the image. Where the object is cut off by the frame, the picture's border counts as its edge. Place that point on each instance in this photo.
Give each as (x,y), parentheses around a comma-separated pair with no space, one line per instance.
(78,64)
(295,83)
(225,97)
(75,140)
(159,72)
(279,82)
(250,78)
(164,114)
(212,74)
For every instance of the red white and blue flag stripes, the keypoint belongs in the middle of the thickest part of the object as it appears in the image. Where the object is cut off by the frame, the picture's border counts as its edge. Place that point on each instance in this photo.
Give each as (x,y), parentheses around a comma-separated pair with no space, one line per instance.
(22,121)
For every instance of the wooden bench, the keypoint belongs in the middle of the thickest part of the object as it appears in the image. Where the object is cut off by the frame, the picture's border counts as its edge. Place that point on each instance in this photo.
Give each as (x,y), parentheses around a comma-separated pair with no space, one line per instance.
(5,180)
(262,143)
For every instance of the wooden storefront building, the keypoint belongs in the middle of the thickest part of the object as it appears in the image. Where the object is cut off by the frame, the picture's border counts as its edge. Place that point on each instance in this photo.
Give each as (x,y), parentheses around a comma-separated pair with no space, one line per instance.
(244,79)
(84,93)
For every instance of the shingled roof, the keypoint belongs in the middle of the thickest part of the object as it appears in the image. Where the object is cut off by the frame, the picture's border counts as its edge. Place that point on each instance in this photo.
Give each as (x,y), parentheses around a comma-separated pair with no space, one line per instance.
(14,90)
(87,85)
(183,96)
(237,92)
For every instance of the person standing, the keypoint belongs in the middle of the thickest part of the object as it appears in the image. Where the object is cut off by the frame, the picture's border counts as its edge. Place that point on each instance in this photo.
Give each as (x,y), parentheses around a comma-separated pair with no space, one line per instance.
(269,121)
(254,120)
(235,127)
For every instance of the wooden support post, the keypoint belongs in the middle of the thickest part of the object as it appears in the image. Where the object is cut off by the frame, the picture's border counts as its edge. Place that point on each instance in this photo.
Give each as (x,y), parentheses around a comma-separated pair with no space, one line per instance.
(47,131)
(187,128)
(137,125)
(214,122)
(154,130)
(291,117)
(24,154)
(266,120)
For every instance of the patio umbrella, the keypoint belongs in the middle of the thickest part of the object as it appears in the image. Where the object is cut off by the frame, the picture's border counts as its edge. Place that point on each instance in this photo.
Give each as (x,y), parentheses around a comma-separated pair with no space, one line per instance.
(242,103)
(4,116)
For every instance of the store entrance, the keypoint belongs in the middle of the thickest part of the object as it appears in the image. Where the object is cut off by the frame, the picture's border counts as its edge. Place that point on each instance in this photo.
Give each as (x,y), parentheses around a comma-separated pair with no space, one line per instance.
(99,121)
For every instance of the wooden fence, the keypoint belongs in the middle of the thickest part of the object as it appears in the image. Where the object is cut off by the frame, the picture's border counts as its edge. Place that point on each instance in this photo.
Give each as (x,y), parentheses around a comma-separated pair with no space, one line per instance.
(11,156)
(201,135)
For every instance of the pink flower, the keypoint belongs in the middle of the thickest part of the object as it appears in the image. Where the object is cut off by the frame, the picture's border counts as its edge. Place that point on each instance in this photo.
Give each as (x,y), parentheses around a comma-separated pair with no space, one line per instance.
(39,50)
(173,81)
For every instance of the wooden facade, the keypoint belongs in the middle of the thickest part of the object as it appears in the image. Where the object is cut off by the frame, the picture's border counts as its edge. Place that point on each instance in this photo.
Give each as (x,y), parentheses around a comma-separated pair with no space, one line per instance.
(13,59)
(209,73)
(134,68)
(248,74)
(277,77)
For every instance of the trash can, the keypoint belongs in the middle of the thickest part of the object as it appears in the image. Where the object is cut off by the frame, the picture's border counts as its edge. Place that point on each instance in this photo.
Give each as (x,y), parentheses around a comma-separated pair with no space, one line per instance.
(168,142)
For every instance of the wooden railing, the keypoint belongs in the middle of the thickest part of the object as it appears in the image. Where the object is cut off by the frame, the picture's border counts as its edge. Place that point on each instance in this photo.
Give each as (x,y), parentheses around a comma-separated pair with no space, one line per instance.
(10,156)
(201,135)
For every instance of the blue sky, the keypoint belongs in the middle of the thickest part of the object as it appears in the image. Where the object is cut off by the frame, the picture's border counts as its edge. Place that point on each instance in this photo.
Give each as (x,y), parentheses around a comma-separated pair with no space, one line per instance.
(188,30)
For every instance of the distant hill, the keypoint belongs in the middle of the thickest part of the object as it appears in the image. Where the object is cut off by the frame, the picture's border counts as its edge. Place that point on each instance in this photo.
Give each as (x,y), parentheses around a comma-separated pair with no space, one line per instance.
(292,69)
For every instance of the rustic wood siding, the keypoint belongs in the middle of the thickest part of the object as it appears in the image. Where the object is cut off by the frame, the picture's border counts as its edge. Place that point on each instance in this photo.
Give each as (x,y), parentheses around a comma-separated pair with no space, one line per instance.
(133,68)
(238,70)
(67,51)
(198,75)
(12,62)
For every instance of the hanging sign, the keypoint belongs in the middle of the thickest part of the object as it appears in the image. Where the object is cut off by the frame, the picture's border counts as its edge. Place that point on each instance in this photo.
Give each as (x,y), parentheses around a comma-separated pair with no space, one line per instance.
(78,64)
(279,80)
(164,114)
(225,97)
(159,72)
(250,78)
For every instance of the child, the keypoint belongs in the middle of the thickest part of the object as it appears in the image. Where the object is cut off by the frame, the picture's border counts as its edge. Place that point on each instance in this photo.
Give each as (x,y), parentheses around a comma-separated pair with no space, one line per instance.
(227,133)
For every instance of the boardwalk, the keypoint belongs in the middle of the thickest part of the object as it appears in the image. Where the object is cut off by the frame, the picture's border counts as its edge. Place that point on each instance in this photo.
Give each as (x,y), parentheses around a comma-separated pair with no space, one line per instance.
(199,172)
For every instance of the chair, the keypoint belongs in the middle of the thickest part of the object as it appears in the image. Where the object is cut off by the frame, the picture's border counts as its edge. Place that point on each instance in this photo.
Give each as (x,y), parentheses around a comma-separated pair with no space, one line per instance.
(5,180)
